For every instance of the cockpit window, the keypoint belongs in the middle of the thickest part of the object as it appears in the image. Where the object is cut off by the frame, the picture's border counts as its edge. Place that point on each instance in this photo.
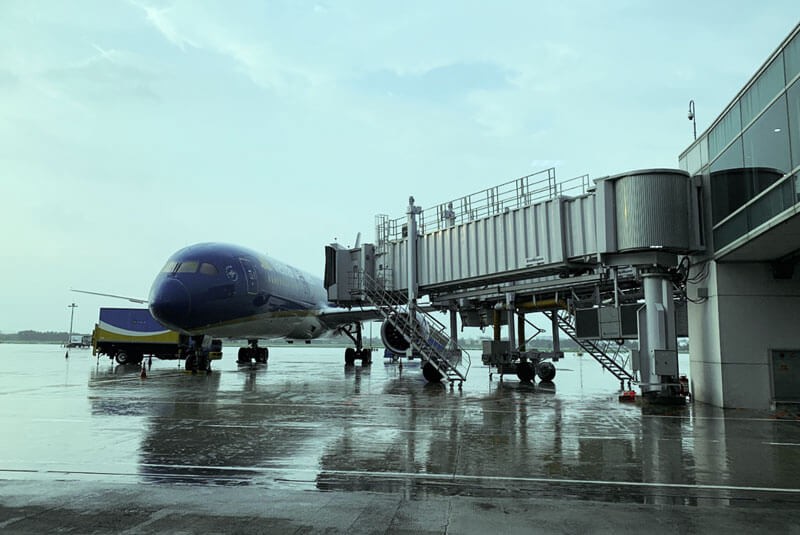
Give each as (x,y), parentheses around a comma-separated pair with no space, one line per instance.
(188,267)
(208,269)
(169,267)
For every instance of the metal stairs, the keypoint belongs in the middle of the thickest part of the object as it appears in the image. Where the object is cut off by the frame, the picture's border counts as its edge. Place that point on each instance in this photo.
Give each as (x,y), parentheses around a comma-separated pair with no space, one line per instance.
(615,363)
(430,340)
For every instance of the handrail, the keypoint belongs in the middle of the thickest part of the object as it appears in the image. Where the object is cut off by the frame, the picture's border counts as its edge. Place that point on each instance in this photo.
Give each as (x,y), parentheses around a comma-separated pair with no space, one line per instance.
(520,192)
(439,358)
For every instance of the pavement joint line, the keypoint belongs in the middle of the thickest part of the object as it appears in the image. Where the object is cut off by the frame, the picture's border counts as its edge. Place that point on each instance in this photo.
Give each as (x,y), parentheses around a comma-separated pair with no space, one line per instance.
(444,477)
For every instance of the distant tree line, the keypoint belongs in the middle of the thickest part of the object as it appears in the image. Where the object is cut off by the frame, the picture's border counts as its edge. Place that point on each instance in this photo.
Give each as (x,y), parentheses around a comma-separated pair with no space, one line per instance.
(48,337)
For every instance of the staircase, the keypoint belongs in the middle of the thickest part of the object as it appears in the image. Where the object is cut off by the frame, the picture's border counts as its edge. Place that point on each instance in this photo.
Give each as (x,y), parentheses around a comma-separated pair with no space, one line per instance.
(430,340)
(615,363)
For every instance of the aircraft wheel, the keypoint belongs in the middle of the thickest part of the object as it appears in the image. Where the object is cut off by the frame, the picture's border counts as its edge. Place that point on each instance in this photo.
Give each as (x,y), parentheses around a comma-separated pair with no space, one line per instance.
(191,363)
(431,374)
(349,356)
(262,355)
(122,357)
(546,370)
(244,355)
(525,372)
(366,357)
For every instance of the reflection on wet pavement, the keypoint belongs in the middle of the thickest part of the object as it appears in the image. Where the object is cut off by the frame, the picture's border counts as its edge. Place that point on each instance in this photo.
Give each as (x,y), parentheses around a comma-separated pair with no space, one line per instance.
(306,422)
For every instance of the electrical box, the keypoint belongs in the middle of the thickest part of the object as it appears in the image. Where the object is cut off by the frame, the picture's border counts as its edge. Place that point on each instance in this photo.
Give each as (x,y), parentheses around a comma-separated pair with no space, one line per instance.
(496,352)
(666,362)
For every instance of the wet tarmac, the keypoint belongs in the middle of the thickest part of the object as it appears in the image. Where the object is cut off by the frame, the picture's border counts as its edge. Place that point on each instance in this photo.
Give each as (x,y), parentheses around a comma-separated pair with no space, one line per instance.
(305,445)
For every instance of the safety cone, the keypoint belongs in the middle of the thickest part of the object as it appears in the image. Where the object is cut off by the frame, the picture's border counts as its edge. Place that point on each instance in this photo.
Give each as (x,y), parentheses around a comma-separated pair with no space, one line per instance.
(143,375)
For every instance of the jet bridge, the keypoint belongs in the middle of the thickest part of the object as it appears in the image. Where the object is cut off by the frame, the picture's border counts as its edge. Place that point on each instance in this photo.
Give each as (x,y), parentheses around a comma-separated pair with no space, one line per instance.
(605,250)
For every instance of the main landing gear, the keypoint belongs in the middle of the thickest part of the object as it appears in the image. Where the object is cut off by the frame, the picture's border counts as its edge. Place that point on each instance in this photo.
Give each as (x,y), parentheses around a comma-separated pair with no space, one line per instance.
(253,353)
(351,354)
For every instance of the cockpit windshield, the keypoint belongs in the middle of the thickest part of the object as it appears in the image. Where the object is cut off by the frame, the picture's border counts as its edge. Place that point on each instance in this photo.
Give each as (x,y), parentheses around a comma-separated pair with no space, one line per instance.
(190,266)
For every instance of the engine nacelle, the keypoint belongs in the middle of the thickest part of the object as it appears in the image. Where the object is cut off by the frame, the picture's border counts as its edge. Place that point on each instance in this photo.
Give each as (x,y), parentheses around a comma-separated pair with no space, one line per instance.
(394,339)
(307,329)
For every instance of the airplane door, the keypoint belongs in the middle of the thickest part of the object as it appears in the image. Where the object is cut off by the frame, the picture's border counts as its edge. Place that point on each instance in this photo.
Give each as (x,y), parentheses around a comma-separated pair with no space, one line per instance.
(250,276)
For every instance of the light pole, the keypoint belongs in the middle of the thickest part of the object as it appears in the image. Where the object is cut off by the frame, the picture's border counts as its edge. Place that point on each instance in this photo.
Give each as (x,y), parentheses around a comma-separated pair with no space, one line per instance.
(73,306)
(691,118)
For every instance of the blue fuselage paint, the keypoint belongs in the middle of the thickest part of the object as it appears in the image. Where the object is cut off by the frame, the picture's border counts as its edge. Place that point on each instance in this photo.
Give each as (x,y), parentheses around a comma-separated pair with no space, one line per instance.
(226,290)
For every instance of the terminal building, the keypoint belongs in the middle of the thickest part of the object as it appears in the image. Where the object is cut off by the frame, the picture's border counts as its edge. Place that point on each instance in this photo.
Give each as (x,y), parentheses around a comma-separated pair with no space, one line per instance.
(744,313)
(708,251)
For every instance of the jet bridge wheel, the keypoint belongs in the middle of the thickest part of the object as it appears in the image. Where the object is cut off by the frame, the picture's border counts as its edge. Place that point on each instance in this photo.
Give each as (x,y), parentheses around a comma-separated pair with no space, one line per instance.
(546,370)
(525,372)
(431,374)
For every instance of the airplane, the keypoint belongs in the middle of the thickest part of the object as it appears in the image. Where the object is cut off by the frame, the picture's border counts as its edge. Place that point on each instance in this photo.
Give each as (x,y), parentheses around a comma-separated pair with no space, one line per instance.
(228,291)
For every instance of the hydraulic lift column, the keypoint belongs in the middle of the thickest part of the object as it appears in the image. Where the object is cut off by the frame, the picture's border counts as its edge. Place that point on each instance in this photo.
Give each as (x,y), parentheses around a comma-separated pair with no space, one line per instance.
(658,353)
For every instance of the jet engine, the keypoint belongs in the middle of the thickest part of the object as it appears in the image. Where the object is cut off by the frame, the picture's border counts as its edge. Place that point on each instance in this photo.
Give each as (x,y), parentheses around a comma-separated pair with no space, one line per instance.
(394,338)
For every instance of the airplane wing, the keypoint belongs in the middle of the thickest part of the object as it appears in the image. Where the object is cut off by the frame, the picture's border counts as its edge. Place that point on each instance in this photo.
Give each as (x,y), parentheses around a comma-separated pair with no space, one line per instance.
(131,299)
(333,318)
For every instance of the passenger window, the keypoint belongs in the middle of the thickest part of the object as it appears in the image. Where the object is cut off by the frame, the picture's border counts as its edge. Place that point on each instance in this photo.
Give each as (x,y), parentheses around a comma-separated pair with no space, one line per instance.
(208,269)
(188,267)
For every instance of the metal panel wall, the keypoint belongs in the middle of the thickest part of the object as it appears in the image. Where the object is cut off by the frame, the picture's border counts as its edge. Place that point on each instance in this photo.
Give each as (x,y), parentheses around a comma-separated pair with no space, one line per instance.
(581,234)
(543,234)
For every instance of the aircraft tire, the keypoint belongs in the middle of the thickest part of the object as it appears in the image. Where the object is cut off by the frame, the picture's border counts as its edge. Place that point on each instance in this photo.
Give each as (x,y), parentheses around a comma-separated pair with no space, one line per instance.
(366,357)
(431,374)
(349,356)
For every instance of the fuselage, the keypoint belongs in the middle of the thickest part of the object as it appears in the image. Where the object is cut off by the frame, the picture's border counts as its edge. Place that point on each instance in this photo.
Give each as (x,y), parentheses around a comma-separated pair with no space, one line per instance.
(229,291)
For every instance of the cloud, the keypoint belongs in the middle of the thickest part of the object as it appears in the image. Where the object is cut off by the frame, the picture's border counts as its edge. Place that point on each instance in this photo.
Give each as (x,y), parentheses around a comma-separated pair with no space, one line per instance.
(195,26)
(107,75)
(162,22)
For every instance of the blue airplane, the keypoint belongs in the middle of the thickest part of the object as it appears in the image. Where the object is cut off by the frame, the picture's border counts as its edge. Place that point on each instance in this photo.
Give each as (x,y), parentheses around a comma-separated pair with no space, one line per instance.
(227,291)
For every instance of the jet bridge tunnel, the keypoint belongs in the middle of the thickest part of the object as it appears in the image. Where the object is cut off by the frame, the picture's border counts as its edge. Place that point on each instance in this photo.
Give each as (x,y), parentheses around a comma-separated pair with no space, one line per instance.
(601,259)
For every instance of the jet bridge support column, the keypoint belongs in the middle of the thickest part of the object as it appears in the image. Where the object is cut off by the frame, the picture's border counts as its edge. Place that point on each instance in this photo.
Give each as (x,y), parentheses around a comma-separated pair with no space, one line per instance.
(413,288)
(511,334)
(657,339)
(453,326)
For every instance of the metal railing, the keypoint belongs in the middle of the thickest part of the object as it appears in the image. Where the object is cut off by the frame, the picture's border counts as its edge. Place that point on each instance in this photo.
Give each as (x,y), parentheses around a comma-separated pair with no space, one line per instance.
(524,191)
(779,197)
(616,363)
(431,341)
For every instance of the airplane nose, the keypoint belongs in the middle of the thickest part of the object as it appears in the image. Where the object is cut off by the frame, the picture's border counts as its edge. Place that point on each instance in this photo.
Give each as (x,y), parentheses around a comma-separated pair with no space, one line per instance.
(170,302)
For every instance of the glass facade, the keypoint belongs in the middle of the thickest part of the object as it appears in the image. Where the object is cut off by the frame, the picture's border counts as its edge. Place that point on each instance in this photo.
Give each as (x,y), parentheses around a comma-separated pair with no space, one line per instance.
(793,103)
(750,158)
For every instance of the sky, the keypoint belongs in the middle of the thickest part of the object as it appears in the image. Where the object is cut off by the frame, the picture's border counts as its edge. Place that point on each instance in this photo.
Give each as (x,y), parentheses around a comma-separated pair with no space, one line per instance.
(130,129)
